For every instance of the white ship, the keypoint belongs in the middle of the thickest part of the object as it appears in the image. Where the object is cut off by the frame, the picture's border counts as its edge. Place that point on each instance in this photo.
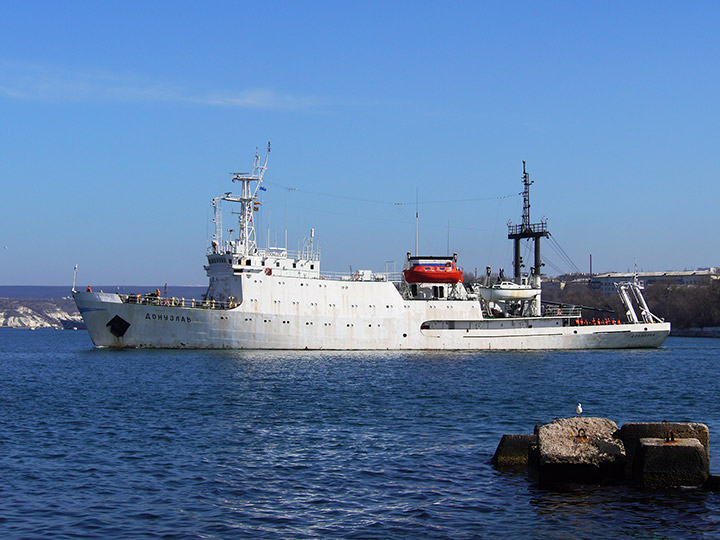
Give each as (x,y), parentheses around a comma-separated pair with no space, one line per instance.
(273,298)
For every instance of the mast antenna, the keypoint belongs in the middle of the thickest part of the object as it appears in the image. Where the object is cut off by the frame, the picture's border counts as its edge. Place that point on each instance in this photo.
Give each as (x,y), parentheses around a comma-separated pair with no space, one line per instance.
(527,230)
(526,197)
(417,222)
(250,184)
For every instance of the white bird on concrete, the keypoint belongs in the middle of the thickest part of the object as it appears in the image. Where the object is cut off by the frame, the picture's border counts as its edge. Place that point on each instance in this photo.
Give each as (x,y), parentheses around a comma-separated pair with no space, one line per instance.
(578,409)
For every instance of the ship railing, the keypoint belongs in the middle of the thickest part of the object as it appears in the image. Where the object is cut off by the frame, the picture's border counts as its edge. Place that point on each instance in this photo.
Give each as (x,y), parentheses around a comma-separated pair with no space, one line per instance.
(362,275)
(563,311)
(531,228)
(272,252)
(162,301)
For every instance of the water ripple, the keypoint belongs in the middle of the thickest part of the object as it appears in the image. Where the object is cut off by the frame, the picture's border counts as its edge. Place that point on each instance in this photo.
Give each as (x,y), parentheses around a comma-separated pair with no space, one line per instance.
(235,444)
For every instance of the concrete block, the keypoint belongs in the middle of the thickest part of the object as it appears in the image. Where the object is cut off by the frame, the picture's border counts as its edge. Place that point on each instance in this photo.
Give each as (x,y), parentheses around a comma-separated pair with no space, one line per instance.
(579,449)
(512,452)
(632,432)
(668,464)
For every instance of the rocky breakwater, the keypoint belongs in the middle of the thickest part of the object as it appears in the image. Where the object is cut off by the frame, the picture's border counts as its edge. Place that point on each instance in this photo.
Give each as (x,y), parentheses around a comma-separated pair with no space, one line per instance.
(39,313)
(652,455)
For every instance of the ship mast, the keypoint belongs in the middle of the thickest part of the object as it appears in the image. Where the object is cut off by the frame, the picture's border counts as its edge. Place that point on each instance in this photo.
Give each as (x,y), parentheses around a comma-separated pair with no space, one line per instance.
(527,230)
(246,243)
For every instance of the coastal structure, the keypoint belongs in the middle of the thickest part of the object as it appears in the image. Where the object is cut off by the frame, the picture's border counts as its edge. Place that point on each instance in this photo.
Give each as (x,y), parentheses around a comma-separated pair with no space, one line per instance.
(605,282)
(273,298)
(683,278)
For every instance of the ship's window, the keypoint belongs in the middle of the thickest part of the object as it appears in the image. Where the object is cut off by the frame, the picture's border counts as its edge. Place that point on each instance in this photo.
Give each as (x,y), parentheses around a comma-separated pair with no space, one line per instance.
(413,289)
(294,265)
(277,264)
(262,263)
(312,267)
(246,262)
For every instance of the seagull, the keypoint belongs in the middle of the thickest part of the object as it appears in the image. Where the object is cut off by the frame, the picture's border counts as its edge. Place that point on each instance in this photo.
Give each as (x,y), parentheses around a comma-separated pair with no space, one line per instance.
(578,409)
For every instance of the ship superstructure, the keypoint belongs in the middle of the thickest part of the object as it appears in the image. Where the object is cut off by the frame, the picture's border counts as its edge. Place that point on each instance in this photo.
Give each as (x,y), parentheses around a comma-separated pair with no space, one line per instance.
(274,298)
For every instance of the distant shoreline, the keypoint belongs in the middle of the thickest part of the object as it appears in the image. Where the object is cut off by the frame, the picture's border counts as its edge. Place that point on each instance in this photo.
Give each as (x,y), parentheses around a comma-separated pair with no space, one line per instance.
(65,291)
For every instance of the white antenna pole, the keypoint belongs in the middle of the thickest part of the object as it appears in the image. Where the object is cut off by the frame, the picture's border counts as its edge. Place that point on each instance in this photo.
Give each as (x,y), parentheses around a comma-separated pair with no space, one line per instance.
(74,278)
(417,226)
(448,239)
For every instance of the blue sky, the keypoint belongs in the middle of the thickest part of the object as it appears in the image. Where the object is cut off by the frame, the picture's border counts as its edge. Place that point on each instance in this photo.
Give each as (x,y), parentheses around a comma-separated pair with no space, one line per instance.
(119,121)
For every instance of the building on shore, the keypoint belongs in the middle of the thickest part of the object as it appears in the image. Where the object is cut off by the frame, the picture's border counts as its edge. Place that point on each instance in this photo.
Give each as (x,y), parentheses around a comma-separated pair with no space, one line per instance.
(605,282)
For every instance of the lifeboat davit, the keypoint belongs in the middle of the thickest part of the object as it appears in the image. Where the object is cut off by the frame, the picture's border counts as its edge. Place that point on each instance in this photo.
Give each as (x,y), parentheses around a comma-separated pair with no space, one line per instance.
(433,272)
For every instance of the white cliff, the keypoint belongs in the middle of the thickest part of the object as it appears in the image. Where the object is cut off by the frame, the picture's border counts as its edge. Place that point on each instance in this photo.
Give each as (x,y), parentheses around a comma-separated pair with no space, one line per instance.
(38,313)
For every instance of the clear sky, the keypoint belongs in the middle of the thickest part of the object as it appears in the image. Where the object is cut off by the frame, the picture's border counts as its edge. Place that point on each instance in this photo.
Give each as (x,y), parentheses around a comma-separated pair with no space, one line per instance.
(119,121)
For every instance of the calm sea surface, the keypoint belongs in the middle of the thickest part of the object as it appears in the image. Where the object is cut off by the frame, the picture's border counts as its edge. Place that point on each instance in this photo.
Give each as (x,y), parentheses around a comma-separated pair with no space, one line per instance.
(203,444)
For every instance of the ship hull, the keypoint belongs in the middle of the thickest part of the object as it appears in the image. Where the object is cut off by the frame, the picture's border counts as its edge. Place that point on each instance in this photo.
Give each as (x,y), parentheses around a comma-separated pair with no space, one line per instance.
(352,324)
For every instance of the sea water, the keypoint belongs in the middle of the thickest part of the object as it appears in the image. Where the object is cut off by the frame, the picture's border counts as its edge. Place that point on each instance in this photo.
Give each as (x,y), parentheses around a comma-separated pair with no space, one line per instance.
(238,444)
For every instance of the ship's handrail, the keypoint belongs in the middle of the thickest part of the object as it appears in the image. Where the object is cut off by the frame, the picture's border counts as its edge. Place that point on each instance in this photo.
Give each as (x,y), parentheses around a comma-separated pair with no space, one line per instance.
(163,301)
(528,228)
(563,311)
(270,252)
(361,275)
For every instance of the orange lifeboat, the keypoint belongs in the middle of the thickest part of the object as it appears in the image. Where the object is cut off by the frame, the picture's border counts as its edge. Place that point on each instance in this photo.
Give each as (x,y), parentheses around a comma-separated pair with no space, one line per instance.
(433,272)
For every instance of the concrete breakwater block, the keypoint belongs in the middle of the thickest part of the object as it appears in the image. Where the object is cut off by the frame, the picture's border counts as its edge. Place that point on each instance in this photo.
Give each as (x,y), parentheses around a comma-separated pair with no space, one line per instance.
(578,450)
(654,455)
(512,452)
(663,463)
(632,432)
